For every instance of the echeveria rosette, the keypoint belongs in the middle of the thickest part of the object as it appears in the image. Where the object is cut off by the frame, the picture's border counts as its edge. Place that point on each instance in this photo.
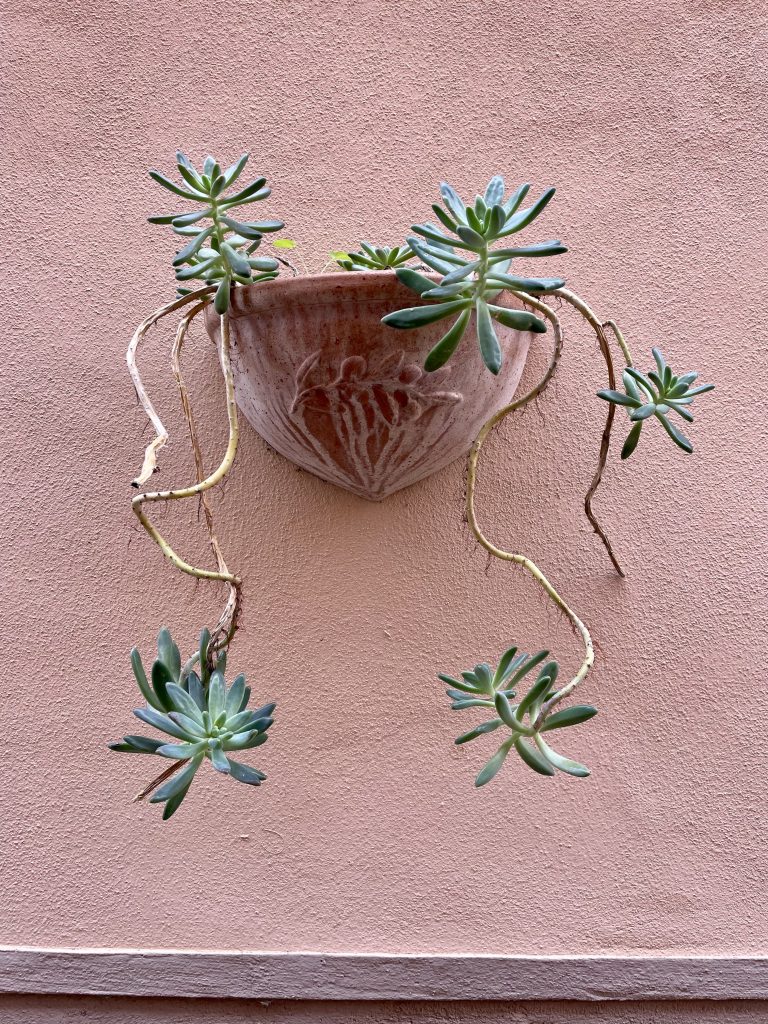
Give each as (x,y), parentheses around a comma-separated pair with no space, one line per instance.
(657,394)
(220,247)
(473,284)
(204,719)
(379,257)
(482,687)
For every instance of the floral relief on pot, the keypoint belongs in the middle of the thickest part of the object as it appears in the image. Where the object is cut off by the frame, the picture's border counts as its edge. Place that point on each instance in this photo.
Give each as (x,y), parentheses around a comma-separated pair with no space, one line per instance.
(345,397)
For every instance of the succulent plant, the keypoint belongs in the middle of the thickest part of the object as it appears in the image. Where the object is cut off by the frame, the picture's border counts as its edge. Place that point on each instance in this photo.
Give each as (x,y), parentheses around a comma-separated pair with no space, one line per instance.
(473,284)
(219,250)
(656,393)
(205,719)
(482,687)
(374,257)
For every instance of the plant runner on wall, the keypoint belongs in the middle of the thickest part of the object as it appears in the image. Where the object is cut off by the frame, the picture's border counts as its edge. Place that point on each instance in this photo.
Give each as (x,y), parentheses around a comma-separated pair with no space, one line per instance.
(460,271)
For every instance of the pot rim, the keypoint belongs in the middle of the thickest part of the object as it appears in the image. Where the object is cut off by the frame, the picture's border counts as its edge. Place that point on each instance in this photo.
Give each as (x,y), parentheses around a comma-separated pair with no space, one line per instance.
(335,288)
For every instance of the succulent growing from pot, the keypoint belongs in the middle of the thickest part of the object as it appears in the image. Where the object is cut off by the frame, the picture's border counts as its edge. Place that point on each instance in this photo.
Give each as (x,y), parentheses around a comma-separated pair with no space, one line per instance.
(372,407)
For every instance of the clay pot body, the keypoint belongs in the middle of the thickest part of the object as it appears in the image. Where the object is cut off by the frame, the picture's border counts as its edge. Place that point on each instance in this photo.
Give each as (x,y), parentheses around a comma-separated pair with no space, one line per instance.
(346,397)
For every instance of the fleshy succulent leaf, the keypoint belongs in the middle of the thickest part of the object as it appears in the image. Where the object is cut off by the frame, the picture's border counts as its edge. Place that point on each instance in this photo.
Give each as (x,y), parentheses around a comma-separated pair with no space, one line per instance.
(202,718)
(526,720)
(653,396)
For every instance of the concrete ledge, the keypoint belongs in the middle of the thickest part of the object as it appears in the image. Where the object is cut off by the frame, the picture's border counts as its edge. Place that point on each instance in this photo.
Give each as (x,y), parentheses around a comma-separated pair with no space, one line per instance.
(330,976)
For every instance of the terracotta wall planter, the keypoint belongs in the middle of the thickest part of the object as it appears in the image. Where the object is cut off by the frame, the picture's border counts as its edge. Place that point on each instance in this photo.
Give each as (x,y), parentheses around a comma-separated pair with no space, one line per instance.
(346,398)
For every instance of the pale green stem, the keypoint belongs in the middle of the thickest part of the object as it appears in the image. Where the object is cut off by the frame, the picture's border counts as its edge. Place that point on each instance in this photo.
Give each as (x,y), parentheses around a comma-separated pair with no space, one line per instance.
(519,559)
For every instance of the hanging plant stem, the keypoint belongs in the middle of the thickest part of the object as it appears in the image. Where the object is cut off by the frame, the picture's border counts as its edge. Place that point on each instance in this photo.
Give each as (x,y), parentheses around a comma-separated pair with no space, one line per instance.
(149,465)
(518,559)
(599,328)
(227,624)
(202,486)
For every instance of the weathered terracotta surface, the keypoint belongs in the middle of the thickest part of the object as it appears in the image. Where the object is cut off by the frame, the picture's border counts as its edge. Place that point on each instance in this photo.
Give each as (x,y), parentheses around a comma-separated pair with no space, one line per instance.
(345,397)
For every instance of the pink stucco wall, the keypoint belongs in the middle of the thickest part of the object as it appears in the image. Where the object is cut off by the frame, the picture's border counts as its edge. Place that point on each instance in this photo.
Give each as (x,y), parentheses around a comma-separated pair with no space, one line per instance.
(57,1010)
(651,119)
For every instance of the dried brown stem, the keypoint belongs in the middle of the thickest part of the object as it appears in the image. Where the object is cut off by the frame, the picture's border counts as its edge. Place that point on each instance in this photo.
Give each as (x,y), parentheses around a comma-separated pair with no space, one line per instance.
(159,780)
(605,440)
(201,486)
(149,465)
(227,624)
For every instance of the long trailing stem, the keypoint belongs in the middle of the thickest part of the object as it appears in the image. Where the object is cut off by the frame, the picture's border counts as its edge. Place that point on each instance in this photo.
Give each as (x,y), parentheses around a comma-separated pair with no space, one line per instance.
(228,621)
(472,463)
(227,625)
(599,328)
(519,559)
(149,465)
(201,486)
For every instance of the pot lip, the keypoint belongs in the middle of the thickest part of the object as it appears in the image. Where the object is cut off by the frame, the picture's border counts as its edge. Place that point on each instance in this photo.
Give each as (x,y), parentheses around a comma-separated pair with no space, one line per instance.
(335,288)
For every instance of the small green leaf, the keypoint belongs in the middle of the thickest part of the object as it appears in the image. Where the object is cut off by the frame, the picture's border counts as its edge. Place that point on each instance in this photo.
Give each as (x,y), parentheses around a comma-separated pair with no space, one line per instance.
(184,193)
(479,730)
(618,398)
(444,349)
(178,782)
(532,285)
(461,273)
(533,757)
(502,669)
(140,675)
(472,239)
(235,696)
(161,676)
(453,202)
(642,412)
(505,711)
(219,760)
(419,316)
(221,299)
(217,694)
(181,751)
(524,217)
(495,763)
(233,173)
(457,684)
(494,191)
(244,773)
(483,674)
(181,701)
(136,745)
(442,266)
(168,653)
(631,442)
(516,199)
(539,688)
(236,260)
(528,666)
(414,280)
(191,726)
(677,435)
(568,716)
(161,722)
(164,218)
(565,764)
(553,248)
(518,319)
(433,235)
(249,192)
(489,343)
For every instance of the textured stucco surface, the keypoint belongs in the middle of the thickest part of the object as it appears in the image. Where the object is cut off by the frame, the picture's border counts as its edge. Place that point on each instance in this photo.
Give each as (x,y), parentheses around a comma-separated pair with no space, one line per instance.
(59,1010)
(369,836)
